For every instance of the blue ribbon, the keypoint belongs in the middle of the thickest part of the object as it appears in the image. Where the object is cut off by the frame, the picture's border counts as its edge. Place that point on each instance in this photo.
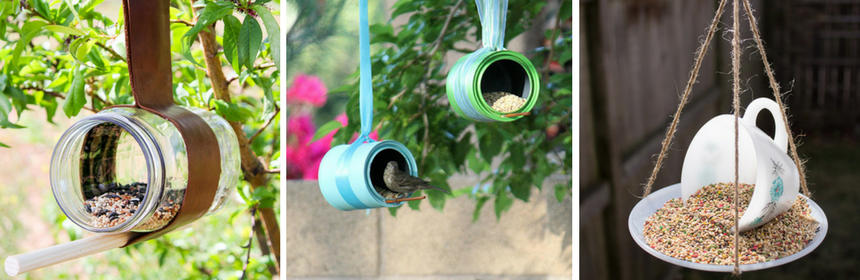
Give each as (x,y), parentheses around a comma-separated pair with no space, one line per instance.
(366,77)
(366,111)
(493,15)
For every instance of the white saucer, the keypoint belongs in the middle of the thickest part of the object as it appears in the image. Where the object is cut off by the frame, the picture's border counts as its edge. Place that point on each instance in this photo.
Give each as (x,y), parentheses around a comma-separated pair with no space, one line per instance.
(647,206)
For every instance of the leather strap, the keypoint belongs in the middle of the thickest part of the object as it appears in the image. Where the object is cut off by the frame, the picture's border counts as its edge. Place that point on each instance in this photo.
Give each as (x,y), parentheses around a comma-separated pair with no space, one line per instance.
(147,35)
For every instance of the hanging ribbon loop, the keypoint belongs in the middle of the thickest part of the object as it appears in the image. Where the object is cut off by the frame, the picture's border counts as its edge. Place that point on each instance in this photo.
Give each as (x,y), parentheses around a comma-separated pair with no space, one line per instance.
(366,76)
(493,15)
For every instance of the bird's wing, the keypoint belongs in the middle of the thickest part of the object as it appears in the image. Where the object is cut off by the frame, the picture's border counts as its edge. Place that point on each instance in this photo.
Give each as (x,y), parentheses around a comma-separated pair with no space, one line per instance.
(410,181)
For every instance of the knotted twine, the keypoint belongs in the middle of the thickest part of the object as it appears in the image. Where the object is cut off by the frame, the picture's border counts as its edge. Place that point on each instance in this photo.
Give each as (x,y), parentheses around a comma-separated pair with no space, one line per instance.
(700,53)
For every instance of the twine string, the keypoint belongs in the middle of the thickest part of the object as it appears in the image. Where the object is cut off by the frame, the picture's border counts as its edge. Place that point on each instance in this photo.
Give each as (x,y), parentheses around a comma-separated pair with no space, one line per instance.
(694,74)
(777,96)
(736,89)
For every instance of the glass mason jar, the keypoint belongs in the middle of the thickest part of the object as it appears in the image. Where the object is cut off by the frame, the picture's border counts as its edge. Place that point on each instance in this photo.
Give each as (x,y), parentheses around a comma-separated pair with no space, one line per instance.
(126,169)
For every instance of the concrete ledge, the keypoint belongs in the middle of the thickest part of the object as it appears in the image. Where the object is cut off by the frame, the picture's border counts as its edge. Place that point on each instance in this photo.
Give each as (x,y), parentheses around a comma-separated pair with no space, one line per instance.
(531,241)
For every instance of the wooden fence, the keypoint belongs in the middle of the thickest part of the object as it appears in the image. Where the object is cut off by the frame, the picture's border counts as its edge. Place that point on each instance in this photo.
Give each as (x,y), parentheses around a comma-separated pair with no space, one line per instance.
(818,46)
(636,56)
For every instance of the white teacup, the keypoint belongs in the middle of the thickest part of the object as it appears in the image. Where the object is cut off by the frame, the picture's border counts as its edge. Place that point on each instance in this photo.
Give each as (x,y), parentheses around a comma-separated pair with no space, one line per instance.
(710,159)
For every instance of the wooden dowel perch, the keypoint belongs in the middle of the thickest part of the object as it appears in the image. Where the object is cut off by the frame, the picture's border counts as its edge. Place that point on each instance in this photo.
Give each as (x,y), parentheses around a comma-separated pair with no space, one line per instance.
(405,199)
(511,115)
(30,261)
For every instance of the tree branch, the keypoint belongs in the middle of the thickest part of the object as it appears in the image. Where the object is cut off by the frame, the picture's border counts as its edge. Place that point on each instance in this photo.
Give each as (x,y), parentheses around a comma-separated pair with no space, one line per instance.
(252,168)
(57,95)
(111,51)
(180,21)
(556,27)
(268,122)
(250,242)
(265,66)
(432,51)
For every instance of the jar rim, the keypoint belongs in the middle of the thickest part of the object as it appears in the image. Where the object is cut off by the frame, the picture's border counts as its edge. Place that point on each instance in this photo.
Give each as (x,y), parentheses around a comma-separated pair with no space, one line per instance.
(72,140)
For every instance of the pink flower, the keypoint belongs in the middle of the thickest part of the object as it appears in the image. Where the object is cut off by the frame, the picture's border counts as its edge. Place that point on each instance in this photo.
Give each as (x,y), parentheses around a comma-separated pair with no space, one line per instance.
(303,156)
(295,157)
(301,128)
(307,89)
(312,170)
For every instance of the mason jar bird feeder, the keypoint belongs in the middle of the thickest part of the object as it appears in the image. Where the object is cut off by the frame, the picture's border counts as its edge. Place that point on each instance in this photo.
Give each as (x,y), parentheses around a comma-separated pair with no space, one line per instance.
(351,175)
(698,223)
(126,169)
(492,69)
(138,171)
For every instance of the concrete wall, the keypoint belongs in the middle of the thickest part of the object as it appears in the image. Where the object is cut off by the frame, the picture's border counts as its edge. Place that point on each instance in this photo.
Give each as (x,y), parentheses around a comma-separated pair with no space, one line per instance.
(531,241)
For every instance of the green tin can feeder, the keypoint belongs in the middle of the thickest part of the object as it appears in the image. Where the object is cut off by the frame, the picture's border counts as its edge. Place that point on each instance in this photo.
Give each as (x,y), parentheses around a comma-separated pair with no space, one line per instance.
(492,68)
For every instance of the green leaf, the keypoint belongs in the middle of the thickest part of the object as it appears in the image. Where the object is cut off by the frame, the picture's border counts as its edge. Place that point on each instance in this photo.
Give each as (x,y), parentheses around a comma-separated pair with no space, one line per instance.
(326,128)
(28,32)
(5,107)
(521,186)
(380,29)
(269,98)
(212,12)
(19,99)
(231,41)
(207,16)
(232,111)
(481,201)
(560,192)
(250,38)
(4,145)
(503,204)
(64,29)
(3,82)
(42,7)
(50,108)
(76,98)
(490,144)
(273,31)
(83,50)
(415,204)
(565,11)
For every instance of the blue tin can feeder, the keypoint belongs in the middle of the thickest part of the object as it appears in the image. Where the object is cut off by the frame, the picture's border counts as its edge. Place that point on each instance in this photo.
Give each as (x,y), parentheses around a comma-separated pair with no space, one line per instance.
(492,69)
(349,174)
(353,170)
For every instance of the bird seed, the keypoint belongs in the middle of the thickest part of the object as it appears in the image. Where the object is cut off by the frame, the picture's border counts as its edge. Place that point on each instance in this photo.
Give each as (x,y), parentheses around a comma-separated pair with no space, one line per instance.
(504,102)
(121,202)
(701,231)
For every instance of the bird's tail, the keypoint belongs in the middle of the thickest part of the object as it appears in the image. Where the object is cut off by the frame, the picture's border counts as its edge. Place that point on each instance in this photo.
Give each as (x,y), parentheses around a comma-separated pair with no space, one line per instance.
(429,187)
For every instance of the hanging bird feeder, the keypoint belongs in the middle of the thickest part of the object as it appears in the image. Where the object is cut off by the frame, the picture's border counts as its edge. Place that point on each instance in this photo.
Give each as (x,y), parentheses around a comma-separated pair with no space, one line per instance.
(134,173)
(351,176)
(683,224)
(493,74)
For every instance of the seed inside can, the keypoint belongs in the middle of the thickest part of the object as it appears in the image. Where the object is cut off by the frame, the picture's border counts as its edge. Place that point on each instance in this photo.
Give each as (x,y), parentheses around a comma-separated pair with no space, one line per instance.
(701,230)
(504,102)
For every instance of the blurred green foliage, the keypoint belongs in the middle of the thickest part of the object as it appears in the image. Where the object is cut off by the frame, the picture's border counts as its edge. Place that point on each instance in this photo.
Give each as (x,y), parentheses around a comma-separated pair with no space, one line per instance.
(411,105)
(66,55)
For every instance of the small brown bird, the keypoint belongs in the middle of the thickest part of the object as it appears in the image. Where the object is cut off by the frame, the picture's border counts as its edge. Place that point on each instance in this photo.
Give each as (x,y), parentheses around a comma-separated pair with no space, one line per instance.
(401,182)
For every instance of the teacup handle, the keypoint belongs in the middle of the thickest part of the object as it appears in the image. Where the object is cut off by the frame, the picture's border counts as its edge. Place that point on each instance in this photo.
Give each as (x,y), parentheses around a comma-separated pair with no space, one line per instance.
(780,137)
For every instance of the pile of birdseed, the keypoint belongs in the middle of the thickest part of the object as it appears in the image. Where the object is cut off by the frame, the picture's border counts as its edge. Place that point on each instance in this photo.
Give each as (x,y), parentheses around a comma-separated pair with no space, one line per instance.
(120,203)
(701,231)
(503,101)
(386,193)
